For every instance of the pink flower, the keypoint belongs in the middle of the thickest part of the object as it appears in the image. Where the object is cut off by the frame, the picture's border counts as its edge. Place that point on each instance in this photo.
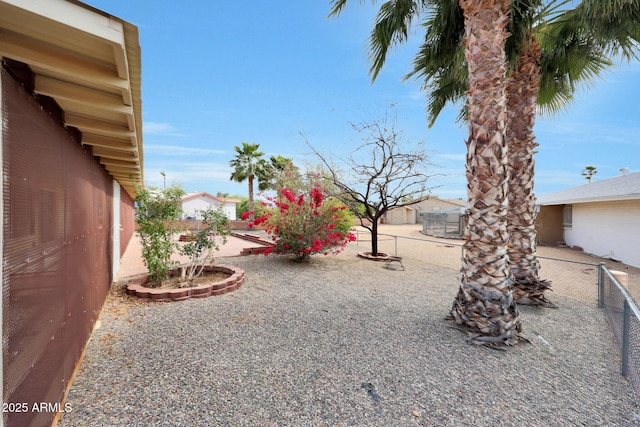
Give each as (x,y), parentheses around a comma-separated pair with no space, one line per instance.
(261,219)
(316,196)
(288,194)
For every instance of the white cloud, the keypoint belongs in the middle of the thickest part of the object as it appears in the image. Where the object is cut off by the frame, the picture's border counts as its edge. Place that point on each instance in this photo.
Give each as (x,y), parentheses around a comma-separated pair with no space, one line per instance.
(453,156)
(188,175)
(155,128)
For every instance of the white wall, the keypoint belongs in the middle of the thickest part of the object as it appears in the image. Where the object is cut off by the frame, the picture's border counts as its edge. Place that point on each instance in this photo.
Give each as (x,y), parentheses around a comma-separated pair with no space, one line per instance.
(202,203)
(115,232)
(607,229)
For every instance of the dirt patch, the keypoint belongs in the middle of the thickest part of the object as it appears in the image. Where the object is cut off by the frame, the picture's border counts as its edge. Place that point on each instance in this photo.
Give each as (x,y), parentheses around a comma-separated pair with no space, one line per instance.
(205,277)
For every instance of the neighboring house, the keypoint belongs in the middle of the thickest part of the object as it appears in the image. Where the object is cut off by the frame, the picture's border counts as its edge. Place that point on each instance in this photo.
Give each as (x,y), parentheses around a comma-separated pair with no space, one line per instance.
(412,214)
(602,218)
(193,203)
(71,156)
(401,215)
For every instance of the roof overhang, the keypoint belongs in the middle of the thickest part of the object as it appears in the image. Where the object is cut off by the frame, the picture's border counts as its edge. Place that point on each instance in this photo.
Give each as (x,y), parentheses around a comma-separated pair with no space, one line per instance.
(90,63)
(574,201)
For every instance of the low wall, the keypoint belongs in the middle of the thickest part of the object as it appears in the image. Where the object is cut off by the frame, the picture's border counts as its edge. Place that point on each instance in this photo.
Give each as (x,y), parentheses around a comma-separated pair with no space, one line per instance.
(192,224)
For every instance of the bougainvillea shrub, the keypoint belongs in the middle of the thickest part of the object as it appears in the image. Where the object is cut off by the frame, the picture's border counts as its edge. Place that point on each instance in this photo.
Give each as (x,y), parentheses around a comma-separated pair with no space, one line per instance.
(305,224)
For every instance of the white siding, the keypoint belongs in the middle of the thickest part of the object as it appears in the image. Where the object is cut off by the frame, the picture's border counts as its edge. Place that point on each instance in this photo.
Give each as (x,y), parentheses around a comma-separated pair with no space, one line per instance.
(115,232)
(607,229)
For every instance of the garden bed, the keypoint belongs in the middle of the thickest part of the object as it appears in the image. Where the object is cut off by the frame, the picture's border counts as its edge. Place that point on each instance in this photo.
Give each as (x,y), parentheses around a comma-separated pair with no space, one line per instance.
(136,287)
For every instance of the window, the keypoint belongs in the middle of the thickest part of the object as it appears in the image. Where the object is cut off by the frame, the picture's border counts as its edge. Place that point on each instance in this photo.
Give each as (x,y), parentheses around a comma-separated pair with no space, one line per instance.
(567,216)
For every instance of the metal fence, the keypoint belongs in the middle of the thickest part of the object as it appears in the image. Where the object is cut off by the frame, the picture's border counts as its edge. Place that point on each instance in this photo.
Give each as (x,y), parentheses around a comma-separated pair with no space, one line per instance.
(624,319)
(584,280)
(444,224)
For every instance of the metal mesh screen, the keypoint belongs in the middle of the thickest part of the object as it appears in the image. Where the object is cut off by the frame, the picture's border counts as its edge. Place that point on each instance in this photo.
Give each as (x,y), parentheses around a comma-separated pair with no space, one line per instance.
(56,266)
(443,224)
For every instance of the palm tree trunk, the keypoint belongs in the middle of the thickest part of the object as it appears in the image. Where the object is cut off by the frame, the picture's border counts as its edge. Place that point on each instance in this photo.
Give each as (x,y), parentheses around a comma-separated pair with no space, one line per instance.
(251,206)
(484,305)
(522,93)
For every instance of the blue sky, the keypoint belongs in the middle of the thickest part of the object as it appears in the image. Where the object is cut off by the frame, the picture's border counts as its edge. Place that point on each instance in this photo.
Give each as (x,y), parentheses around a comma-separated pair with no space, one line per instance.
(217,73)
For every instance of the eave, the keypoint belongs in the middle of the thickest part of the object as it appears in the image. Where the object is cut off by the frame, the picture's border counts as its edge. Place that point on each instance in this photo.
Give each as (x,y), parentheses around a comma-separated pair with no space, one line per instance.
(89,62)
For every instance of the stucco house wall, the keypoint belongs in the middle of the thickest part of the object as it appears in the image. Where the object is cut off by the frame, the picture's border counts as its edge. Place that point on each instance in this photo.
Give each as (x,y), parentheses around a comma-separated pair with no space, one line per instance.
(602,217)
(192,204)
(607,229)
(549,225)
(399,216)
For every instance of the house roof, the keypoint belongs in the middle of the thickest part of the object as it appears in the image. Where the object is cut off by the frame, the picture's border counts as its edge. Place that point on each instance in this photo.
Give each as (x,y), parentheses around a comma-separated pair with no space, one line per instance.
(431,203)
(89,62)
(211,196)
(625,187)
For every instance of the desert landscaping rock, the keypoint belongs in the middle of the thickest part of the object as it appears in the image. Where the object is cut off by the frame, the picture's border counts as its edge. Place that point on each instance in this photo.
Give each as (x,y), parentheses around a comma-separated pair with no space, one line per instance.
(295,344)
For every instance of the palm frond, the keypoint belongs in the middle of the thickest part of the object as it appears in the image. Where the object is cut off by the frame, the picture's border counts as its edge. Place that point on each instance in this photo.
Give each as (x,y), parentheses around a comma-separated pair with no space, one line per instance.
(615,25)
(392,26)
(337,7)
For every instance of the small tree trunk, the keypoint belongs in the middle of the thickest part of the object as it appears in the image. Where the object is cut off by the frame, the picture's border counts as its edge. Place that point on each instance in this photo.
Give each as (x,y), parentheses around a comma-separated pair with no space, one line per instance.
(374,237)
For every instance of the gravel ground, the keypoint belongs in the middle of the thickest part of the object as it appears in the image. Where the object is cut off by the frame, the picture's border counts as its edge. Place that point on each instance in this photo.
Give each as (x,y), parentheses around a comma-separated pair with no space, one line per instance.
(342,341)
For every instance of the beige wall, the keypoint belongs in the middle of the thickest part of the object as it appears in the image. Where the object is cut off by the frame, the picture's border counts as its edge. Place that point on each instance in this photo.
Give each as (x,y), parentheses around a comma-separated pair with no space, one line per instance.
(549,225)
(399,216)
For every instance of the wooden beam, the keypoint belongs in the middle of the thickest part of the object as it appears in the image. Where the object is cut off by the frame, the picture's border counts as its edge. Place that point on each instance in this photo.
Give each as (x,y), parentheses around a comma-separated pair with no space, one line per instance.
(122,144)
(120,163)
(99,127)
(112,154)
(79,95)
(77,69)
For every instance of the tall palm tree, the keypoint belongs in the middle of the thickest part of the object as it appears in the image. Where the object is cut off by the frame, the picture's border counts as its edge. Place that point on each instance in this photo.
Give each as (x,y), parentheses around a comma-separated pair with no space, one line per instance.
(546,74)
(576,46)
(484,305)
(247,165)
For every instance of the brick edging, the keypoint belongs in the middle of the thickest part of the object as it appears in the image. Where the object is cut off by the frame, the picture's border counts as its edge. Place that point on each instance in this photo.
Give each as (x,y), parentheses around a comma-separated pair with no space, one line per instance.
(264,244)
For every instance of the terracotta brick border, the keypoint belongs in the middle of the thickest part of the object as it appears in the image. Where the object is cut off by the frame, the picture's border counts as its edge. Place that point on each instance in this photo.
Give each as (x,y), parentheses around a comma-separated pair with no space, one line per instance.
(136,287)
(264,244)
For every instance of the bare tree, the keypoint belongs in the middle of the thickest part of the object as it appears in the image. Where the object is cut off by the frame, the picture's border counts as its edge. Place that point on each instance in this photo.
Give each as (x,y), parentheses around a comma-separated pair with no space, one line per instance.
(381,174)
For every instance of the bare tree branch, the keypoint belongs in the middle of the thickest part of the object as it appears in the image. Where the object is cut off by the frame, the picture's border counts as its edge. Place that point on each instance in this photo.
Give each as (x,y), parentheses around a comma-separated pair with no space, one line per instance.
(382,173)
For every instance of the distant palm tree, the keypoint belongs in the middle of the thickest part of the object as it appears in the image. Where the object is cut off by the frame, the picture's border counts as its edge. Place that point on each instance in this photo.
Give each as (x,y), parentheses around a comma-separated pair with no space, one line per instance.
(247,165)
(588,172)
(275,171)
